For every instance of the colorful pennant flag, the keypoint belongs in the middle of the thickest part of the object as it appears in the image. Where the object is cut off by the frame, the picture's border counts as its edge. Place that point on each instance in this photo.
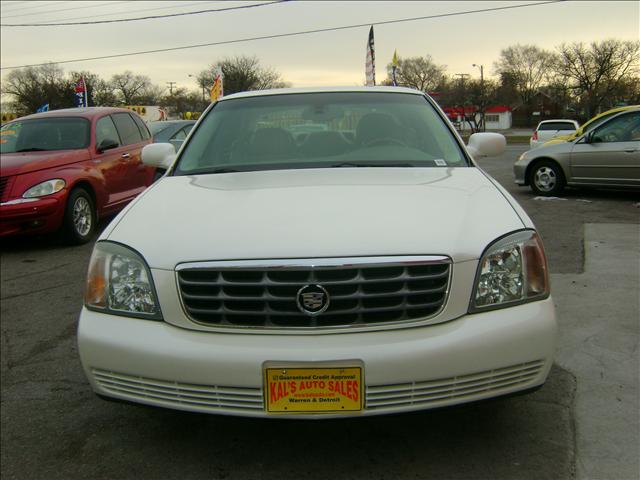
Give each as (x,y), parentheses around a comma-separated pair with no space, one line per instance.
(81,93)
(394,68)
(43,108)
(370,64)
(217,90)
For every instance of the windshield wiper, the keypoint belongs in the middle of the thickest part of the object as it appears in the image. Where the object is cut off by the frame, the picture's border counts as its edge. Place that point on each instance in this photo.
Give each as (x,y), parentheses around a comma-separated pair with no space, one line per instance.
(371,164)
(32,149)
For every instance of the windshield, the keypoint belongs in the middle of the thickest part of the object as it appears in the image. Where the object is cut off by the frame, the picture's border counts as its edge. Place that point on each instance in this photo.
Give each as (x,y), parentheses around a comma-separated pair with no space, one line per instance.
(157,127)
(316,130)
(45,134)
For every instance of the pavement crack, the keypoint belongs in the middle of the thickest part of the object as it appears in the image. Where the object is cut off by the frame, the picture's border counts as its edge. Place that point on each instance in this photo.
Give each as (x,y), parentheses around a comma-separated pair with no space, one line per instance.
(24,294)
(56,267)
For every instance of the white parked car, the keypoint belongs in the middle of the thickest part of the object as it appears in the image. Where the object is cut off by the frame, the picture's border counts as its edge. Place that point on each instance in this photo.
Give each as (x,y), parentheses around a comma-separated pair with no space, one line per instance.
(266,277)
(549,129)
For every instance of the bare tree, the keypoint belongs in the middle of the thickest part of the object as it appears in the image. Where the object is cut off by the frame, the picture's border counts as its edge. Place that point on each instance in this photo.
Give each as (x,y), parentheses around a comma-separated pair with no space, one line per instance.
(421,73)
(241,73)
(31,87)
(596,71)
(527,66)
(130,87)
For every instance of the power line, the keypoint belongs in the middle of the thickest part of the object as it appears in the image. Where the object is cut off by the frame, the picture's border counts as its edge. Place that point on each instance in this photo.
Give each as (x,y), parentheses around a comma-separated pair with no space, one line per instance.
(62,9)
(280,35)
(185,5)
(22,8)
(151,17)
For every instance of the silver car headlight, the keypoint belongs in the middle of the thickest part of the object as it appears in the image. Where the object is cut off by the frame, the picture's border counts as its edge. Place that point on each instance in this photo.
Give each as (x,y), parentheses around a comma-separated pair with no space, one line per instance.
(45,188)
(119,282)
(512,270)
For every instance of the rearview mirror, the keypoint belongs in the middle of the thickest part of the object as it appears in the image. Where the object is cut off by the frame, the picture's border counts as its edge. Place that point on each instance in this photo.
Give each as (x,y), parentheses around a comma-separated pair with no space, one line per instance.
(159,155)
(107,144)
(486,144)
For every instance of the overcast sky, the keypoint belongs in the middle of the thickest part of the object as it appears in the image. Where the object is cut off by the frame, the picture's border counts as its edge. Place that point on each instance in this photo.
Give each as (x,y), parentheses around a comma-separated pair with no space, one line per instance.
(331,58)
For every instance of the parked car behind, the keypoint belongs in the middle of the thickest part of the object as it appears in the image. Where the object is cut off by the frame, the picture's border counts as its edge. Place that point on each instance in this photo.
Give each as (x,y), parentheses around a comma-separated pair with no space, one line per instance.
(549,129)
(606,156)
(64,169)
(331,277)
(590,124)
(172,131)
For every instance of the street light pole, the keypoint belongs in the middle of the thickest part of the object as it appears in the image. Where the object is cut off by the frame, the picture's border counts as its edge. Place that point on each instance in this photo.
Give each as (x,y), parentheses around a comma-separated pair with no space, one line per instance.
(481,67)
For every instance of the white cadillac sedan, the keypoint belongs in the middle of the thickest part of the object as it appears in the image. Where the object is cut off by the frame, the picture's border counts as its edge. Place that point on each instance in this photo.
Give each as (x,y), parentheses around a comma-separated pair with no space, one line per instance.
(363,266)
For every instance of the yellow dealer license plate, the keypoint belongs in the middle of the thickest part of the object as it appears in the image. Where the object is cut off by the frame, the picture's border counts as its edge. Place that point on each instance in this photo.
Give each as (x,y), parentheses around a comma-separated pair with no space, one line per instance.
(297,389)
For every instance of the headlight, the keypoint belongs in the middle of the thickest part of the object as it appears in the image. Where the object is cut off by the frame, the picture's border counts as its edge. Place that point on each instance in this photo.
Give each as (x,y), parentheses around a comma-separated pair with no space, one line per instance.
(512,270)
(119,282)
(521,157)
(45,188)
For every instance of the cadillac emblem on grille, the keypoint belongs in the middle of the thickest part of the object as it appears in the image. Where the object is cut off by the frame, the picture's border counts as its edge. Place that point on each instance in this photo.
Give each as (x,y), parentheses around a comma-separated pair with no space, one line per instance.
(312,299)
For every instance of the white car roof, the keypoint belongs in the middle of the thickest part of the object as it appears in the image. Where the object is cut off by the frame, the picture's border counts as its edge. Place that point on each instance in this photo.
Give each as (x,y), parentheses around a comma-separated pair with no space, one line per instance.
(286,91)
(558,120)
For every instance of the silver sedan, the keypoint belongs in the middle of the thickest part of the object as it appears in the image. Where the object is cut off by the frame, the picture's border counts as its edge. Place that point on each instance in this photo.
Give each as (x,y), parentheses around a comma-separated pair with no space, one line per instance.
(607,156)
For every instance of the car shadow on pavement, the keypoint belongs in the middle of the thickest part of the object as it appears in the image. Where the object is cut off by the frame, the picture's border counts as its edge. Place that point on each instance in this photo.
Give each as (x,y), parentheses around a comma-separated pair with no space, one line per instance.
(530,436)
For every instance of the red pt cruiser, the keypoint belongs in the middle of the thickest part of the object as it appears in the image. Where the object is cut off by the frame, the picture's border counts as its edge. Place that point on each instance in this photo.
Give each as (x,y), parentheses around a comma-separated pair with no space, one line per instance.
(62,170)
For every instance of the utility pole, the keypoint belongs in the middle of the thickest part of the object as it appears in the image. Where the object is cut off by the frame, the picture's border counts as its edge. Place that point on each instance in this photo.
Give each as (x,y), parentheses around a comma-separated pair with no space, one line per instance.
(171,85)
(484,126)
(462,77)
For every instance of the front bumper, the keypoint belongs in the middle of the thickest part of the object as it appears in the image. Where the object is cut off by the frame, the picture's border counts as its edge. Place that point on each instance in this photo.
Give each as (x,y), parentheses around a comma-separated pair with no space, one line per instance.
(37,215)
(520,172)
(472,358)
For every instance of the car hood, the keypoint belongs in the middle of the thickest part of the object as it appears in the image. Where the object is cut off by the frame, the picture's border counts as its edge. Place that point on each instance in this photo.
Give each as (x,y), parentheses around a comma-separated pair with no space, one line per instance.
(18,163)
(316,213)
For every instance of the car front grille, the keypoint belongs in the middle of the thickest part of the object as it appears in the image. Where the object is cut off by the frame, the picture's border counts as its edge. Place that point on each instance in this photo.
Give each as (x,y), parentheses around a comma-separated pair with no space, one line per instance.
(362,291)
(180,394)
(420,394)
(4,181)
(465,387)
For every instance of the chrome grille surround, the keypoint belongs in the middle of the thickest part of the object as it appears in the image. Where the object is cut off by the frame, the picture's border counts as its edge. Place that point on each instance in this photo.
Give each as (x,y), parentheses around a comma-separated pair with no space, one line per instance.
(365,292)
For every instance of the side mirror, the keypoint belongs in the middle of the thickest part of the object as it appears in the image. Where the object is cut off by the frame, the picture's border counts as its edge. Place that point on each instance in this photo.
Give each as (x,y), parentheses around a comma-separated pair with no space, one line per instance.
(486,144)
(159,155)
(107,144)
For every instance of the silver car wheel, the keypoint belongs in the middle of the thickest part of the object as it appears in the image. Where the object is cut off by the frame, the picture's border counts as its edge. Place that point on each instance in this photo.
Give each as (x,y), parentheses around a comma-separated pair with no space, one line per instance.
(82,216)
(545,179)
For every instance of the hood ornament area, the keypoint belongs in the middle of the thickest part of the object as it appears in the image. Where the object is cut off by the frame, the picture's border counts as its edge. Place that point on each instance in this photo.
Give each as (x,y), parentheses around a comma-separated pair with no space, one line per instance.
(312,299)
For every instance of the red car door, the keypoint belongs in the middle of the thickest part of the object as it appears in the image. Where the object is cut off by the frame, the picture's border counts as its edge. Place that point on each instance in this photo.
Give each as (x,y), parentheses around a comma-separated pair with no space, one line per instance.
(110,158)
(138,176)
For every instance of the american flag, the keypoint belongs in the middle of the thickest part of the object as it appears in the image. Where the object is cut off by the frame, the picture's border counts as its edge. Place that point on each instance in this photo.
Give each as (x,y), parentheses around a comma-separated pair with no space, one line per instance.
(370,65)
(81,93)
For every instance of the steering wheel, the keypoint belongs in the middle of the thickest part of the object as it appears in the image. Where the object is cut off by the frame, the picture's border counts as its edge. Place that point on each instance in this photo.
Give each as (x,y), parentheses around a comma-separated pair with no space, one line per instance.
(385,141)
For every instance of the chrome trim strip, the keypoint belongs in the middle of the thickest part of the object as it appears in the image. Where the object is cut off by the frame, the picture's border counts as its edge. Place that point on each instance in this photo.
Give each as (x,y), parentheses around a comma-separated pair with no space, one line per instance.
(331,262)
(17,201)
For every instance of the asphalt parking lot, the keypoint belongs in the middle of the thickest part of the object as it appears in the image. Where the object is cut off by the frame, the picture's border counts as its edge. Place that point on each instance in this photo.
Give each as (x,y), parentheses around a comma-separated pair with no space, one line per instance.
(582,424)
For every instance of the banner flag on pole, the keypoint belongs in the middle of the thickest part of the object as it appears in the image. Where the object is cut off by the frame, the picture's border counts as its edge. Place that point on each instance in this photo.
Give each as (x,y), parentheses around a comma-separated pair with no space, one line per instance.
(217,90)
(370,64)
(394,68)
(43,108)
(81,93)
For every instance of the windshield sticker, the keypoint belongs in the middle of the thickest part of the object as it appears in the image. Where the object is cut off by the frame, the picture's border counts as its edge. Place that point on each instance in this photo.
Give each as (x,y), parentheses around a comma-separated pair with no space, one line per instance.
(440,162)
